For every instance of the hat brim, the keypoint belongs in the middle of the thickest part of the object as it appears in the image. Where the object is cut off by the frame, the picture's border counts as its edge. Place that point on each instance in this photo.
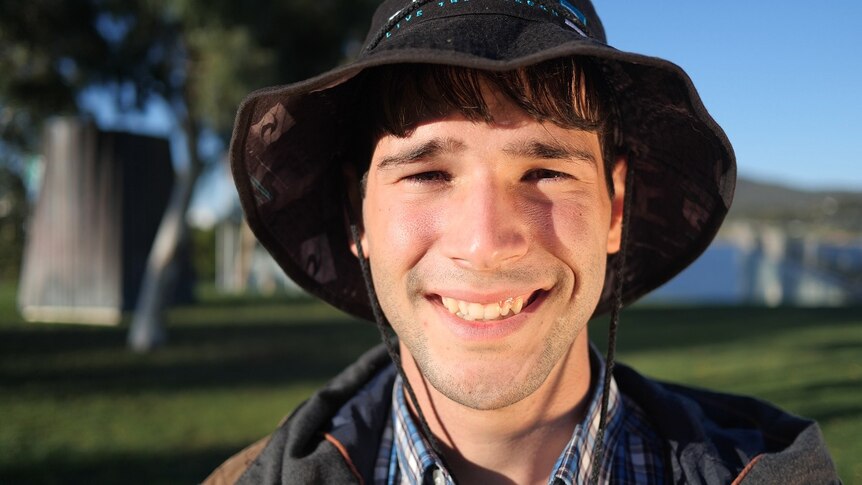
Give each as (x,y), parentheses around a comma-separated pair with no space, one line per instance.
(290,143)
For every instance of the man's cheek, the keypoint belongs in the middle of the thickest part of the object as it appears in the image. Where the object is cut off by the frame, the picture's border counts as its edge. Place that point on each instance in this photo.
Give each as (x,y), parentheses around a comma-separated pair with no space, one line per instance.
(412,231)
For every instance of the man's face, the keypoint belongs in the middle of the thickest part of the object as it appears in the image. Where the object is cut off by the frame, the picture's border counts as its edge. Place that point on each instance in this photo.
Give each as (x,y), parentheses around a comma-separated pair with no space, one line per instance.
(487,245)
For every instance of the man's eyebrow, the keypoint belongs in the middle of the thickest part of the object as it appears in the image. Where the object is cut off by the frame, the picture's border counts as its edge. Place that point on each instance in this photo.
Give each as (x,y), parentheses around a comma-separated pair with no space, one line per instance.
(550,151)
(426,149)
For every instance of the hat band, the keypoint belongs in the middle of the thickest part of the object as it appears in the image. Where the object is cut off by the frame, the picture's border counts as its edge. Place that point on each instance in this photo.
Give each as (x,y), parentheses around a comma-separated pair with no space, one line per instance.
(419,10)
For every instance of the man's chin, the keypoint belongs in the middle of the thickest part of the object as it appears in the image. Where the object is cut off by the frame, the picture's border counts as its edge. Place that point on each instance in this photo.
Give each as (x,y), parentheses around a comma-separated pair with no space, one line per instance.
(483,390)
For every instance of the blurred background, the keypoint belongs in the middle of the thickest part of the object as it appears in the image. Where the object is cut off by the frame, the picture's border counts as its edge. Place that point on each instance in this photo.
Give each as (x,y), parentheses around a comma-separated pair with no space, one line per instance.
(146,337)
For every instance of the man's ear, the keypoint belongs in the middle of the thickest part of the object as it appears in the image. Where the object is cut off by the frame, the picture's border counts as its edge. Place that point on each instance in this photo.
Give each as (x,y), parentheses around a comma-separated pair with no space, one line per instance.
(353,213)
(362,240)
(617,204)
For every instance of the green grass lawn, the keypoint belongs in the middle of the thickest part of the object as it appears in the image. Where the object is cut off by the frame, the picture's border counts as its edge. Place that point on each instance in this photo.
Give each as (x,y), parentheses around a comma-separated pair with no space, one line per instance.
(76,407)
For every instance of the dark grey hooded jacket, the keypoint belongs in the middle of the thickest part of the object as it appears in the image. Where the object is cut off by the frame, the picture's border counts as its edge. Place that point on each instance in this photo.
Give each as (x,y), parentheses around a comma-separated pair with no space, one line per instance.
(710,438)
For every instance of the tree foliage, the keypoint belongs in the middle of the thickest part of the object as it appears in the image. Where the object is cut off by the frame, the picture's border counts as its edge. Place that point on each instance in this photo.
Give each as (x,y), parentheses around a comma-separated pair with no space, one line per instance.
(208,54)
(47,50)
(13,212)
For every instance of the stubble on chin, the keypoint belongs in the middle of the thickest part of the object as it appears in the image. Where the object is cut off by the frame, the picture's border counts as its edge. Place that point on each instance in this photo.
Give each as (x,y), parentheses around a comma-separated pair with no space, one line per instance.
(485,389)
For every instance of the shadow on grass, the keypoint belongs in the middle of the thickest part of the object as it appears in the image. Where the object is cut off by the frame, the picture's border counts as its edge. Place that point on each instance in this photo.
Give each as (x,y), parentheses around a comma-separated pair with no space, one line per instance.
(75,360)
(652,328)
(843,346)
(252,300)
(48,339)
(825,412)
(823,416)
(178,468)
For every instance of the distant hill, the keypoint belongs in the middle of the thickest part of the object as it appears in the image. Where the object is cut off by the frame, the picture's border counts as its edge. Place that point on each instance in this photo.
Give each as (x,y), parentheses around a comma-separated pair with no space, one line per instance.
(832,211)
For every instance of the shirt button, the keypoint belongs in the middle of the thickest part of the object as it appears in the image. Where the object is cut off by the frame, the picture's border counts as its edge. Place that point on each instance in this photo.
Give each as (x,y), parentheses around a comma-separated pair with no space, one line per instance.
(439,479)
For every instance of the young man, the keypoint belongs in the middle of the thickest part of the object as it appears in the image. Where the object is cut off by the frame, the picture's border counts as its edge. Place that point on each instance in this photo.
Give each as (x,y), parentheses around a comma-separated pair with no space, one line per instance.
(481,181)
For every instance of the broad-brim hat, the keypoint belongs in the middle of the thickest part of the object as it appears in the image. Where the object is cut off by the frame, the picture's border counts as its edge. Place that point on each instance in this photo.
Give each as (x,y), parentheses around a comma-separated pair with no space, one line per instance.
(290,142)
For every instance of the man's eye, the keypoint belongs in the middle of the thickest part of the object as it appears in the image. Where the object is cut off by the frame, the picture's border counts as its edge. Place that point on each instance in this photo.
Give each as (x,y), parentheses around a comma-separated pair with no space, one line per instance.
(544,173)
(428,177)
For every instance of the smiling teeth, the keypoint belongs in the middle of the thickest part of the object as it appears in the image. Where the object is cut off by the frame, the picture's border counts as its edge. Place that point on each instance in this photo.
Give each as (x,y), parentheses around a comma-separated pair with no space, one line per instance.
(479,312)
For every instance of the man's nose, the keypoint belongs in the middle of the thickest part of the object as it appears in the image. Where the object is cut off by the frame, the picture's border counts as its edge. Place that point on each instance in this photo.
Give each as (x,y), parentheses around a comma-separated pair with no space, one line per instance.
(486,228)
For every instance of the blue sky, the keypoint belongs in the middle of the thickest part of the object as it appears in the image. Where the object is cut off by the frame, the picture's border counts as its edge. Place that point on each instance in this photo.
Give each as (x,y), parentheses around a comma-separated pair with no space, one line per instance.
(782,78)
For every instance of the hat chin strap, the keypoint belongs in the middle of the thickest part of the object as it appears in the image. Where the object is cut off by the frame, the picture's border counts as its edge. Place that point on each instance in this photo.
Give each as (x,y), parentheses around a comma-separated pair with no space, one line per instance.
(386,334)
(610,357)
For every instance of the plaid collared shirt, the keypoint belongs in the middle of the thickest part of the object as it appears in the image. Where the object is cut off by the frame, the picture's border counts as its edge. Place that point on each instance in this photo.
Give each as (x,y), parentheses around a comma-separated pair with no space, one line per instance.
(633,452)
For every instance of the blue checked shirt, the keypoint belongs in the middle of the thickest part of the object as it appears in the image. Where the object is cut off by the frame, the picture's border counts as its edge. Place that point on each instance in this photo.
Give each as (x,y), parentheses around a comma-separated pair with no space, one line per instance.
(633,452)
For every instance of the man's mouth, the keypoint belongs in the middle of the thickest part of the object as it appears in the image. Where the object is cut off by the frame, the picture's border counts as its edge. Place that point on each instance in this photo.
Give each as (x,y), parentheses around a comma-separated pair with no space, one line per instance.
(472,311)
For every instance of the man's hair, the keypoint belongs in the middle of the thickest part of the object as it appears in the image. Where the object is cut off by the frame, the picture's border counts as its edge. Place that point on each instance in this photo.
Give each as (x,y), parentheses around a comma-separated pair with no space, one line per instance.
(568,92)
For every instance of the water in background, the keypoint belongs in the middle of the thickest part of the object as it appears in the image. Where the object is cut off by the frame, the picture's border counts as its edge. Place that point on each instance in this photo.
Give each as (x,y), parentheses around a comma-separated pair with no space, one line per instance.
(772,269)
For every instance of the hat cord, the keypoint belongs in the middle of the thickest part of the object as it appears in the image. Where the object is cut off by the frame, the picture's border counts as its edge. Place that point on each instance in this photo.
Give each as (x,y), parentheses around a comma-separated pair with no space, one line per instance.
(383,327)
(416,4)
(610,358)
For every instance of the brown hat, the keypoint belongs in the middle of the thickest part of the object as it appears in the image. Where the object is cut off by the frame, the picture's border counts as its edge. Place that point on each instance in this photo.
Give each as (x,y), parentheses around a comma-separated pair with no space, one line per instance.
(290,142)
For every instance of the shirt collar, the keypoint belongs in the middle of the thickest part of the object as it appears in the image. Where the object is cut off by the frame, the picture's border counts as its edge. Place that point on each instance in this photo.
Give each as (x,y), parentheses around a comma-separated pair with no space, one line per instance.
(576,462)
(418,463)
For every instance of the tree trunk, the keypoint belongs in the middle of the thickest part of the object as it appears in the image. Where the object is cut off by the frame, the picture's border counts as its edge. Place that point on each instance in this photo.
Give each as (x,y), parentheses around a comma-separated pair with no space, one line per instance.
(148,329)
